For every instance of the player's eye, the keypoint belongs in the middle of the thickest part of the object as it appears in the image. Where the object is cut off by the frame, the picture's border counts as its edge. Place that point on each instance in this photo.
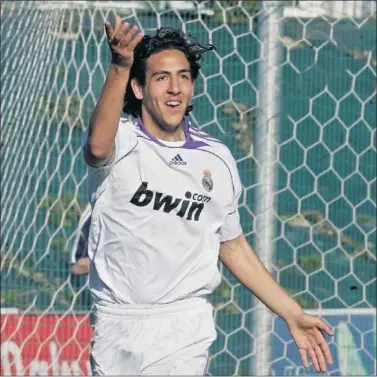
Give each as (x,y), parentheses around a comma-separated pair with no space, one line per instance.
(185,76)
(161,78)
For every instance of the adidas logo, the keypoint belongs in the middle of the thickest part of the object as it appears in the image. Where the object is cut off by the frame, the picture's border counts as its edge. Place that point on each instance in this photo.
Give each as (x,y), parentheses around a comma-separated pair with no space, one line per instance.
(177,160)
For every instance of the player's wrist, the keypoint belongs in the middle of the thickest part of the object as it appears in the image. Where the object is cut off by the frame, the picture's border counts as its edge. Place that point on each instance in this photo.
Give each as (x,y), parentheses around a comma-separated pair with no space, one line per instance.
(293,312)
(121,62)
(119,70)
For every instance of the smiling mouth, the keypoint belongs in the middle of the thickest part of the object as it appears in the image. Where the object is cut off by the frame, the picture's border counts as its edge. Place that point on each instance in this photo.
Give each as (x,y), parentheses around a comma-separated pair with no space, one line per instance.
(173,104)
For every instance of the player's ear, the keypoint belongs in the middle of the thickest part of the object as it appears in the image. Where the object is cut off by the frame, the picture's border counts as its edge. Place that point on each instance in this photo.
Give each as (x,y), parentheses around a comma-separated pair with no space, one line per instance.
(137,89)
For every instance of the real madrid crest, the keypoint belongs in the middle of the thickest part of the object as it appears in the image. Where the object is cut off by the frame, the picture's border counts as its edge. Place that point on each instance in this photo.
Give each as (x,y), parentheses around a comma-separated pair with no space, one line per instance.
(207,180)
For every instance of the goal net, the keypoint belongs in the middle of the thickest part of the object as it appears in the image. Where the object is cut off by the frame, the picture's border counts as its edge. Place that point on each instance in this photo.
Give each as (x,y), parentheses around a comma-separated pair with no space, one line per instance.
(291,90)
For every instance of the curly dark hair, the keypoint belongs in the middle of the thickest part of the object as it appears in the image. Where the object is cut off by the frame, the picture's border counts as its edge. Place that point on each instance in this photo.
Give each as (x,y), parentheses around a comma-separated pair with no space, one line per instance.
(164,39)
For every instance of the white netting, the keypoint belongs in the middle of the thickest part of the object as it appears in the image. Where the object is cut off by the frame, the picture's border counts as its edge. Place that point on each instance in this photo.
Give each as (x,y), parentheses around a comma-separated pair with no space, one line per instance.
(323,143)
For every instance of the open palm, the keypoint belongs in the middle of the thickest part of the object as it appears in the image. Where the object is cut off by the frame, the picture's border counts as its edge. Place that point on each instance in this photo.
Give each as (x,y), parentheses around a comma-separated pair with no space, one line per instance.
(122,41)
(306,331)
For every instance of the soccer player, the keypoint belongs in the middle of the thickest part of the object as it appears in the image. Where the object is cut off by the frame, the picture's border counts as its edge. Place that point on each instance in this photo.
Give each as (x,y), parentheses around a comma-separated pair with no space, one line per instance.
(164,201)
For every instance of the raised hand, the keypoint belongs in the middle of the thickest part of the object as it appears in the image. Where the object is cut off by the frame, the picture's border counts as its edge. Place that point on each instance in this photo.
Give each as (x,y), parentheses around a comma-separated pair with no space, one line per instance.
(306,331)
(122,41)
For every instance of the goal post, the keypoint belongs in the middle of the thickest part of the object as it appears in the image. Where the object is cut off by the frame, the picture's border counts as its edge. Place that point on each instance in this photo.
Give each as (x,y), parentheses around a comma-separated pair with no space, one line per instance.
(268,125)
(291,90)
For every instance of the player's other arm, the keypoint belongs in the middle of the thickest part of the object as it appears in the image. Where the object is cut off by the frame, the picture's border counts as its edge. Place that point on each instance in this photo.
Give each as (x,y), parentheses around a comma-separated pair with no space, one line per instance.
(306,330)
(104,122)
(242,261)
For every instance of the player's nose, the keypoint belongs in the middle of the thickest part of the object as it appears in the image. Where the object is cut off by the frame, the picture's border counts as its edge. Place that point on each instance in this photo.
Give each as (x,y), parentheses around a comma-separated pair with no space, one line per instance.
(174,86)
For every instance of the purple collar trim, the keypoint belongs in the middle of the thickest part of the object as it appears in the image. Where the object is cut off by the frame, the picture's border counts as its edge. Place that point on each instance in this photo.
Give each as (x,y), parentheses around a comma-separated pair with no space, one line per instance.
(189,144)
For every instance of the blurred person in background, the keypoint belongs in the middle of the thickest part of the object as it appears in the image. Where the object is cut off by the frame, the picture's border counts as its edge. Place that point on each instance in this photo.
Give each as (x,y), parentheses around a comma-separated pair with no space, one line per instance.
(80,261)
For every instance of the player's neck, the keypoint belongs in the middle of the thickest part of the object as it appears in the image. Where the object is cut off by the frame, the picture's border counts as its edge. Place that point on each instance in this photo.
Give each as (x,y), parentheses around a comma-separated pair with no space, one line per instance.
(159,133)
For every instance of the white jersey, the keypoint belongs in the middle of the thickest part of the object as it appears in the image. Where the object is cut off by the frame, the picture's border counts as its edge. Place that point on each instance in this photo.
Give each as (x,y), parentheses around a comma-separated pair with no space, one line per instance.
(159,213)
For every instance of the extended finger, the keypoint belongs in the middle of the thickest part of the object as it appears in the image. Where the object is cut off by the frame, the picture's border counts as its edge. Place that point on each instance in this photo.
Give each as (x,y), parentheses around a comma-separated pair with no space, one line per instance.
(304,358)
(320,358)
(326,351)
(121,36)
(136,40)
(314,359)
(123,28)
(112,32)
(127,38)
(109,30)
(324,327)
(118,24)
(321,341)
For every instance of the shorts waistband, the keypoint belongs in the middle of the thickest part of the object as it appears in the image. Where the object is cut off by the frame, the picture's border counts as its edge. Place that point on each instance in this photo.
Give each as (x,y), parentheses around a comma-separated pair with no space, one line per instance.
(153,310)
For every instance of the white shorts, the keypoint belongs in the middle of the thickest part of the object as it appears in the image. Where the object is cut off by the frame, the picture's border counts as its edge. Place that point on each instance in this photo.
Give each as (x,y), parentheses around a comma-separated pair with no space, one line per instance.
(170,339)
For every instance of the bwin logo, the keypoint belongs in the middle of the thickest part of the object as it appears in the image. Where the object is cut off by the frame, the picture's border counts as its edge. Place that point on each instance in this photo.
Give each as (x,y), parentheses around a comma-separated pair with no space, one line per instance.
(187,208)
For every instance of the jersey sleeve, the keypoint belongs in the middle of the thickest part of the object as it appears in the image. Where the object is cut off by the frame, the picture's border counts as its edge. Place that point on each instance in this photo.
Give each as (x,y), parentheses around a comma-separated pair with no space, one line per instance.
(231,227)
(125,141)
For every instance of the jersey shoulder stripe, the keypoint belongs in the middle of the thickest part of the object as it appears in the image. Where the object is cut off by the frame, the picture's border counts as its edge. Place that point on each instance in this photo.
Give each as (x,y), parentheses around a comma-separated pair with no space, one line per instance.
(214,145)
(201,135)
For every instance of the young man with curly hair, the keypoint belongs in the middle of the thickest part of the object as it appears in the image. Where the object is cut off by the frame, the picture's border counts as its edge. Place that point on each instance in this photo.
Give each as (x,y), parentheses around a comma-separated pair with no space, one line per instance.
(164,201)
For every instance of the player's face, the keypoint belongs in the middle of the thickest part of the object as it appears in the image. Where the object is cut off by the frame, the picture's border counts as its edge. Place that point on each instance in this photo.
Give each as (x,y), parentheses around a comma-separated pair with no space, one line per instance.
(168,90)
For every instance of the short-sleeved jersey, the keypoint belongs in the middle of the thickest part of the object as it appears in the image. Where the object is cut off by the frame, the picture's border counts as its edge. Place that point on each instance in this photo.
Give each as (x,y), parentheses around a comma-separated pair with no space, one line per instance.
(159,213)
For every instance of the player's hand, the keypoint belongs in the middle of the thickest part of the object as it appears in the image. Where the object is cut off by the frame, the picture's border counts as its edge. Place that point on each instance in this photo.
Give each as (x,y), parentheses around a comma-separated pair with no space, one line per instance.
(122,40)
(306,331)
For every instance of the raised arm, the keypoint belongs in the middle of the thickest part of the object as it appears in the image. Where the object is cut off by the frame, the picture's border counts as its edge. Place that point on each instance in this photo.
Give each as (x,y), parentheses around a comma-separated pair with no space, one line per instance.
(103,125)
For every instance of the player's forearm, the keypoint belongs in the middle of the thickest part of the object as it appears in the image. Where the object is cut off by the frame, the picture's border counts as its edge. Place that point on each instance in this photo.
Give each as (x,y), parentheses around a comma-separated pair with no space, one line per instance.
(105,119)
(245,265)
